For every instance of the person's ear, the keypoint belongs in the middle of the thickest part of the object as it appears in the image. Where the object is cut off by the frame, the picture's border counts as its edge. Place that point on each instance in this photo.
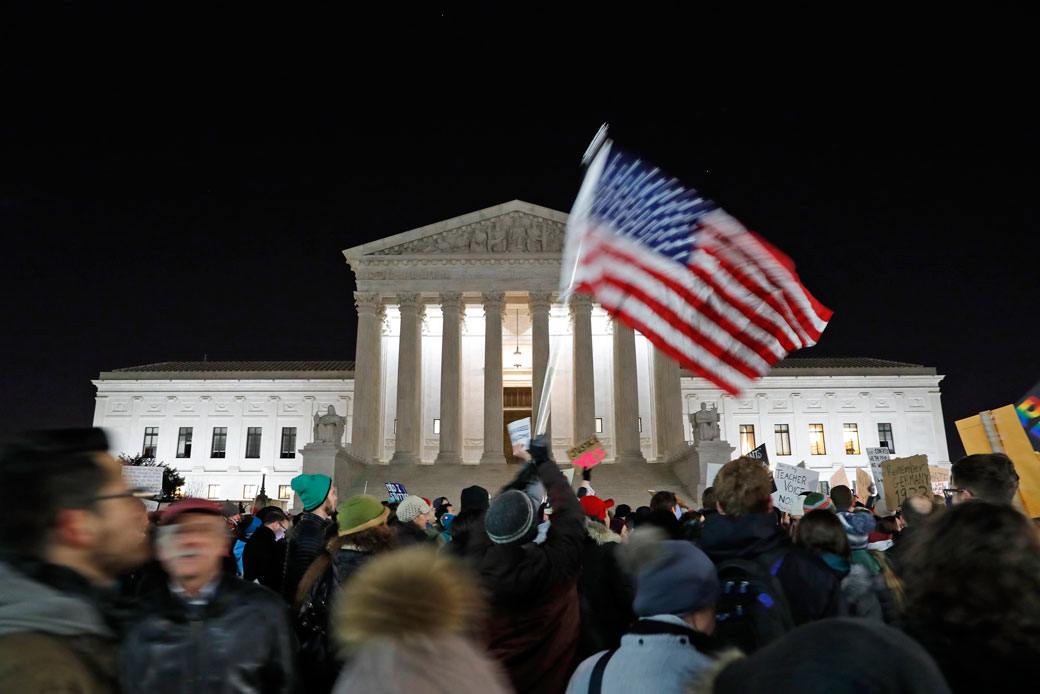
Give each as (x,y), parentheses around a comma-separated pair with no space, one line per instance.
(75,528)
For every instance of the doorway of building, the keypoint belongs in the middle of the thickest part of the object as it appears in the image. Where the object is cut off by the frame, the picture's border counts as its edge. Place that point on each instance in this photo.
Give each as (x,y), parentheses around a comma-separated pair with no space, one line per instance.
(516,404)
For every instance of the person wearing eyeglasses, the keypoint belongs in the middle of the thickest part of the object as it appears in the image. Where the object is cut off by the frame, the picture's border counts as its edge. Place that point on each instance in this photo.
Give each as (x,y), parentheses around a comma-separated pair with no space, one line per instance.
(985,476)
(191,635)
(263,559)
(71,527)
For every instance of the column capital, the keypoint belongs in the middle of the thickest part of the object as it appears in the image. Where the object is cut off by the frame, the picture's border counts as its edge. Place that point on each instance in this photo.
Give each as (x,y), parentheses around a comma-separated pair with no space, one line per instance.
(409,301)
(452,301)
(367,302)
(493,301)
(580,303)
(539,301)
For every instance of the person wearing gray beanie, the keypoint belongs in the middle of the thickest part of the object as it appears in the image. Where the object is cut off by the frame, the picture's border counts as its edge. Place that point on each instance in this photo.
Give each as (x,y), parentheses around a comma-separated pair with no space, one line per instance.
(512,518)
(671,642)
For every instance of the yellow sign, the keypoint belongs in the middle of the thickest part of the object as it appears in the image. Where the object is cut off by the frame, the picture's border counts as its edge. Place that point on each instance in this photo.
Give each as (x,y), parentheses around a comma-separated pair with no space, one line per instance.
(1017,447)
(588,453)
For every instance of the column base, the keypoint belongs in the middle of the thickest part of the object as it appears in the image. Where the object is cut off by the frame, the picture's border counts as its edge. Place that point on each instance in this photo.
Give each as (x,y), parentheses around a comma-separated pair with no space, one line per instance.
(448,459)
(629,459)
(404,458)
(492,459)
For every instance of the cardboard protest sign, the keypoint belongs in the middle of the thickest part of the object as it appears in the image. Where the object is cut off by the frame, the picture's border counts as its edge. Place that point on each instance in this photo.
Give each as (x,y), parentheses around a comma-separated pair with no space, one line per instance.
(940,478)
(144,479)
(906,477)
(863,483)
(713,471)
(877,456)
(588,453)
(396,492)
(790,482)
(1015,443)
(840,478)
(759,453)
(520,432)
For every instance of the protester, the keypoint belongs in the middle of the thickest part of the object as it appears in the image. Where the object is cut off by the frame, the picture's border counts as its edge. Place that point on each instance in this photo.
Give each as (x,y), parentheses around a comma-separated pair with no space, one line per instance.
(837,656)
(403,626)
(816,501)
(314,529)
(986,476)
(242,532)
(533,624)
(914,512)
(708,502)
(72,530)
(193,635)
(363,532)
(972,577)
(872,496)
(668,501)
(414,516)
(746,528)
(264,557)
(605,589)
(640,517)
(676,590)
(842,498)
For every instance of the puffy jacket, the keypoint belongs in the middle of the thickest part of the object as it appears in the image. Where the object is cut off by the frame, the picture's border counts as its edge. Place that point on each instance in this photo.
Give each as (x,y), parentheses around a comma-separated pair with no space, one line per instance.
(307,541)
(533,624)
(812,590)
(52,636)
(239,642)
(605,591)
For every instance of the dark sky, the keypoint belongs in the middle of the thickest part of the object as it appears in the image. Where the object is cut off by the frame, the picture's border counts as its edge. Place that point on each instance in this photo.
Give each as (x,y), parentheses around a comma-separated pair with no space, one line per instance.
(181,182)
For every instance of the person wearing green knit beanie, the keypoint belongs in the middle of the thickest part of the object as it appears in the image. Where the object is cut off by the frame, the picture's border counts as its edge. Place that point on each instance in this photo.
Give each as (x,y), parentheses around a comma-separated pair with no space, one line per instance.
(313,490)
(314,528)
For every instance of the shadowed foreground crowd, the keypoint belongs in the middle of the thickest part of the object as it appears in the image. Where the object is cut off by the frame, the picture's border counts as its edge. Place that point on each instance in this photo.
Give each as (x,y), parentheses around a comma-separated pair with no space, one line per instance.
(538,589)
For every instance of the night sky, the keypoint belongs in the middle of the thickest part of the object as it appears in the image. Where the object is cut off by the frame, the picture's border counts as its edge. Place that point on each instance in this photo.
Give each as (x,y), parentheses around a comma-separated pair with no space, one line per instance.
(180,183)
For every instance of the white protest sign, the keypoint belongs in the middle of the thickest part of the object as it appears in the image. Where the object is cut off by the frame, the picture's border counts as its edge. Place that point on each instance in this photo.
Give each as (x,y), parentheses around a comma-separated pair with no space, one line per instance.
(143,479)
(520,432)
(151,504)
(713,471)
(877,456)
(791,480)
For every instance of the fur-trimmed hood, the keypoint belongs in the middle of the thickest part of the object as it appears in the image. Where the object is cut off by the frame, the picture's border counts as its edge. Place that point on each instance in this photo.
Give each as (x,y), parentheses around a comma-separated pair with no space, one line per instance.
(600,533)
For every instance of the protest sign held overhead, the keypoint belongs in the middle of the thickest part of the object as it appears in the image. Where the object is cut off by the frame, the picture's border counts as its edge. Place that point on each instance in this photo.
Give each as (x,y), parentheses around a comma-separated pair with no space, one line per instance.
(1028,410)
(520,432)
(396,492)
(940,478)
(1006,435)
(588,453)
(759,453)
(877,456)
(863,483)
(144,479)
(839,478)
(790,482)
(713,471)
(906,477)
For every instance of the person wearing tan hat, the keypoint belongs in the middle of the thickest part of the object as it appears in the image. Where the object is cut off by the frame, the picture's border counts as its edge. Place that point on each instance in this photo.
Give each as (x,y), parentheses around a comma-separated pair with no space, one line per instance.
(363,532)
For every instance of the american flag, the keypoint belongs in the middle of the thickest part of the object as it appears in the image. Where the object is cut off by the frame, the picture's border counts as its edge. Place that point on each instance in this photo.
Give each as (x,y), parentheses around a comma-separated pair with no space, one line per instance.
(667,262)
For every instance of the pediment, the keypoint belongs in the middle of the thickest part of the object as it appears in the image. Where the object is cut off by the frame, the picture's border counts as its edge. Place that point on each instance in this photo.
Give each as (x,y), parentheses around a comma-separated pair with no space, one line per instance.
(514,227)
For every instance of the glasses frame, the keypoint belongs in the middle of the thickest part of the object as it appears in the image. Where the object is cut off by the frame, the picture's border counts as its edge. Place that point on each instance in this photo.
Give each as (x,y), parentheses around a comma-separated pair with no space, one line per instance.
(948,493)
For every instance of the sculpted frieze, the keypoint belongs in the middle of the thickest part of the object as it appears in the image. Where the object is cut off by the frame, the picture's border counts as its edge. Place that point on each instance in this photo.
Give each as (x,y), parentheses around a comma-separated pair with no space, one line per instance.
(515,232)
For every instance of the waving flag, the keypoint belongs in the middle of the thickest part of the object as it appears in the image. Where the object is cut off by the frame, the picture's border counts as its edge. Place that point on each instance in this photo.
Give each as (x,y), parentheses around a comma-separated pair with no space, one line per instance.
(673,265)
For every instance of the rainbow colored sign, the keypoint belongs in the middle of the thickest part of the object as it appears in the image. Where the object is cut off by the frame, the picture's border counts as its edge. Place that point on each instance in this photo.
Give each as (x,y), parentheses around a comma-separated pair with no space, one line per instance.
(1028,410)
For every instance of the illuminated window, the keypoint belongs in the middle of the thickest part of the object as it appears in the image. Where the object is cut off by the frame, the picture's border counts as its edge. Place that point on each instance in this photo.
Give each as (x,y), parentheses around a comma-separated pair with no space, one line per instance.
(436,426)
(219,442)
(248,491)
(816,444)
(151,442)
(747,438)
(851,439)
(783,439)
(288,442)
(253,442)
(599,425)
(213,491)
(284,491)
(885,438)
(179,492)
(184,442)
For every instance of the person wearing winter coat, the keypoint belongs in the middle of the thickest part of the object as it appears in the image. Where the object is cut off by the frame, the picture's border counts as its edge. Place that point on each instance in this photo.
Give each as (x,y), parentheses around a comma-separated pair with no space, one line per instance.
(405,623)
(605,590)
(671,643)
(533,623)
(413,520)
(314,529)
(746,528)
(193,634)
(363,533)
(263,558)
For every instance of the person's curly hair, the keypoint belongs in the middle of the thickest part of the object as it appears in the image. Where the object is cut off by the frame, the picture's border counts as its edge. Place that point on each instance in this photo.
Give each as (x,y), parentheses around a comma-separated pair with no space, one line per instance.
(976,568)
(742,487)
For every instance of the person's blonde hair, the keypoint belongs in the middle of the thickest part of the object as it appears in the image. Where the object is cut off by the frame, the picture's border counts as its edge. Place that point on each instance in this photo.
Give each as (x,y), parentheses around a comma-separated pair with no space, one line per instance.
(743,487)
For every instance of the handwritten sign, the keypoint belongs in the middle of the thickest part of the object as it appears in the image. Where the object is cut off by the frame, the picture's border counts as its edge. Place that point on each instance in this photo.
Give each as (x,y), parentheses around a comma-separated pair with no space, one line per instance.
(588,453)
(940,478)
(396,492)
(876,457)
(863,483)
(143,479)
(520,432)
(906,477)
(839,478)
(790,482)
(759,453)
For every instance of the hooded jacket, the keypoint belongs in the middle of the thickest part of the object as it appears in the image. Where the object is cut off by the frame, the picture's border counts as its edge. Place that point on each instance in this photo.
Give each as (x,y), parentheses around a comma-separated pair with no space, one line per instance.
(239,642)
(605,590)
(812,590)
(54,640)
(533,625)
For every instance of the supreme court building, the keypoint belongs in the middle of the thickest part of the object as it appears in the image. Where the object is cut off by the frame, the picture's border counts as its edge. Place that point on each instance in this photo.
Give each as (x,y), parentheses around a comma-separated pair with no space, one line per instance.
(456,324)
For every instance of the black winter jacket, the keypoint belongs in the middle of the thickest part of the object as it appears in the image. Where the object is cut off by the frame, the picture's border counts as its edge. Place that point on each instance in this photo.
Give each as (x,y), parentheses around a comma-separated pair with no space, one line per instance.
(263,559)
(812,590)
(605,591)
(307,541)
(240,642)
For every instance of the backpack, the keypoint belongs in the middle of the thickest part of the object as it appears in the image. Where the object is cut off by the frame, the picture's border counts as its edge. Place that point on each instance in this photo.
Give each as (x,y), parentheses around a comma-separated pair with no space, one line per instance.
(752,610)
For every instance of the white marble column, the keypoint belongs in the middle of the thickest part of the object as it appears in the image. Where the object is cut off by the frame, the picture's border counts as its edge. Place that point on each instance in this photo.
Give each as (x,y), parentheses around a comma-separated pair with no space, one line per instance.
(539,303)
(584,388)
(493,422)
(451,382)
(668,422)
(408,384)
(626,397)
(365,430)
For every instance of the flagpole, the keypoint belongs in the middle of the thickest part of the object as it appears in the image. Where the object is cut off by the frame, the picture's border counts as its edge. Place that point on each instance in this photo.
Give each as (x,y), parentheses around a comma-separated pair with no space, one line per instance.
(542,421)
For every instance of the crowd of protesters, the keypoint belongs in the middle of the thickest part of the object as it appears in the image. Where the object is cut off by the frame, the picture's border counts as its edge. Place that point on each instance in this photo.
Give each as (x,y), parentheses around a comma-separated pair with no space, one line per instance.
(535,588)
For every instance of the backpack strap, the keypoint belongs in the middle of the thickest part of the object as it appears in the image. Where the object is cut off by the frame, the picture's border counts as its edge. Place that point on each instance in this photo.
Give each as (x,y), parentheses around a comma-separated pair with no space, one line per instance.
(596,679)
